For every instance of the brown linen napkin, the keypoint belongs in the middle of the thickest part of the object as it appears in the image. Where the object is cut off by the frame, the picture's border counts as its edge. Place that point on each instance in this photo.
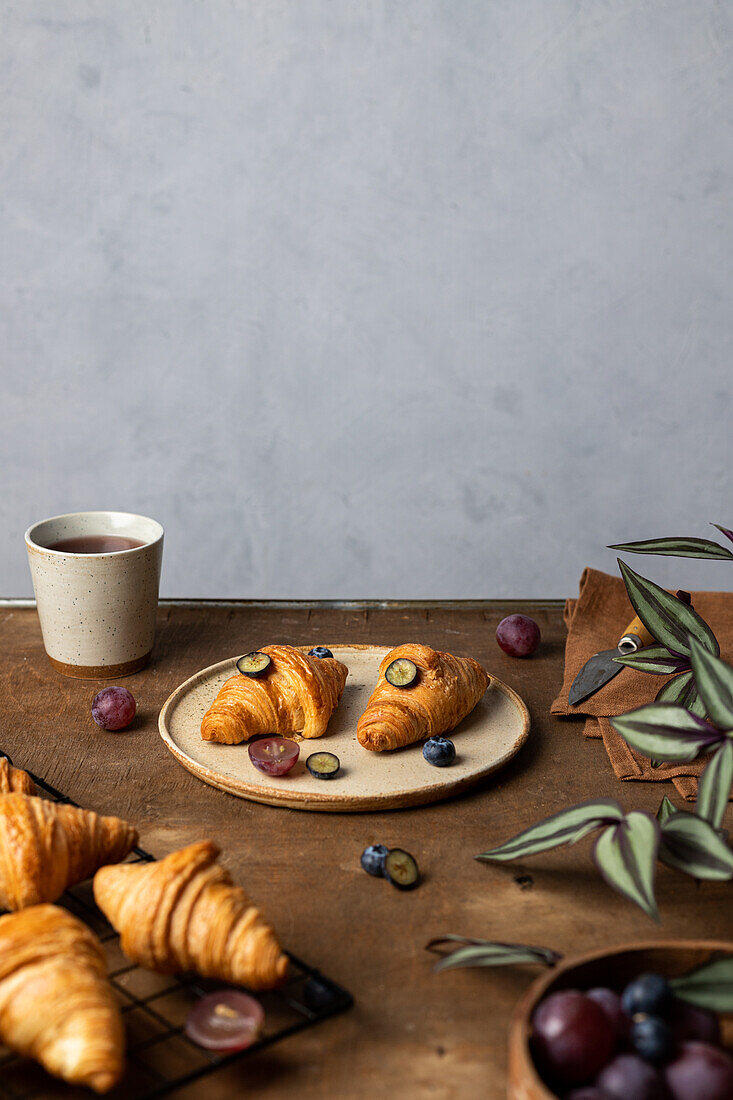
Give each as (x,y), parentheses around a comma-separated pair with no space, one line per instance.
(596,621)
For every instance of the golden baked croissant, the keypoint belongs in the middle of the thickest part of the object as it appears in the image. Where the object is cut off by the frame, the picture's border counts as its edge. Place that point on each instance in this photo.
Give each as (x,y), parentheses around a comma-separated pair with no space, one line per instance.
(56,1005)
(446,690)
(183,913)
(45,847)
(296,694)
(14,779)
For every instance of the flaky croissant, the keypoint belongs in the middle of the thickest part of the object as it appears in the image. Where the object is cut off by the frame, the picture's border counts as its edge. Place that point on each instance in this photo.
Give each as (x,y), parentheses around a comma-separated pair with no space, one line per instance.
(297,694)
(183,913)
(45,847)
(14,779)
(446,690)
(56,1005)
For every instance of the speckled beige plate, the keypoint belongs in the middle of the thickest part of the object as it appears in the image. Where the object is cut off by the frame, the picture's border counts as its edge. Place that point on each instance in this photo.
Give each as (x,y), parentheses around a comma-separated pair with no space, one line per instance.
(485,740)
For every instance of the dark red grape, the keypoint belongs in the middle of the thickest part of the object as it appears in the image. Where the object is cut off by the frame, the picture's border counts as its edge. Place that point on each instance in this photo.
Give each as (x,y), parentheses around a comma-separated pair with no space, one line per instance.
(518,635)
(700,1072)
(610,1002)
(572,1037)
(588,1092)
(113,708)
(225,1021)
(689,1022)
(629,1076)
(274,755)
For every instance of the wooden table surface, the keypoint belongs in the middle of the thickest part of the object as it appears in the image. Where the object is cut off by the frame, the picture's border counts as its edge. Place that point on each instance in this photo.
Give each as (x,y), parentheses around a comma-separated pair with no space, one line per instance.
(412,1033)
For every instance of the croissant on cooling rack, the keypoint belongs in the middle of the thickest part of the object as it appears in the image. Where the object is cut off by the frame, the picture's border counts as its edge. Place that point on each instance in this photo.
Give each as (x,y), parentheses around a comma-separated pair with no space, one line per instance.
(446,689)
(56,1005)
(46,847)
(296,694)
(183,913)
(14,779)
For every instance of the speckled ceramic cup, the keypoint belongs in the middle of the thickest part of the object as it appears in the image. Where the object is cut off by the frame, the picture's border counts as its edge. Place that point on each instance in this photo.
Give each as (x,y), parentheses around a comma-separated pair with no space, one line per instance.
(97,611)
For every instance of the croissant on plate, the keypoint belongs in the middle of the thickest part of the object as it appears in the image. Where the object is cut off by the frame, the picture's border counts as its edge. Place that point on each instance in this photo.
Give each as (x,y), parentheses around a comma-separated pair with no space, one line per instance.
(56,1005)
(447,688)
(297,694)
(14,779)
(183,913)
(46,847)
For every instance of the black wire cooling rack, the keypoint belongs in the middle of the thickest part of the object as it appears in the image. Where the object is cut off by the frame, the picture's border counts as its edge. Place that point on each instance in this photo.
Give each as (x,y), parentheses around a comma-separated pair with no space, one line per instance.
(160,1058)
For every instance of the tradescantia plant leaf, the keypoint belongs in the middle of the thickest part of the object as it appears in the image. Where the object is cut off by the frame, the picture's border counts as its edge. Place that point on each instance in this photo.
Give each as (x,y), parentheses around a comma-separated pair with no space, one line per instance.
(664,731)
(656,659)
(667,618)
(724,531)
(715,784)
(709,987)
(677,548)
(665,811)
(561,828)
(682,690)
(626,856)
(471,952)
(714,681)
(695,847)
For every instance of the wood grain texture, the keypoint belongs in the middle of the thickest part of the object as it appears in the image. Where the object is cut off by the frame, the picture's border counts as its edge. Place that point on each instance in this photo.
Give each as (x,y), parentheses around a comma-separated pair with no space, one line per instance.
(412,1033)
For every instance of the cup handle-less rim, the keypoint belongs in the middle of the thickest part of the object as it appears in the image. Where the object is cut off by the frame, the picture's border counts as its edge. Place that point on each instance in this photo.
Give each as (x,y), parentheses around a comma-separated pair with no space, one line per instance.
(37,547)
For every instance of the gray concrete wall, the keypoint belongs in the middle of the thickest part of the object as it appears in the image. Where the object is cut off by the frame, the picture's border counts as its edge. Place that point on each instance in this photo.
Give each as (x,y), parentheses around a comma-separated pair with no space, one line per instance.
(388,298)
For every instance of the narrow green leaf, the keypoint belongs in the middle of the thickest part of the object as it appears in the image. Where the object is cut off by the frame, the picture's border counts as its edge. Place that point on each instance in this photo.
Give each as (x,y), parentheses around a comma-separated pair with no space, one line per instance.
(677,548)
(715,784)
(485,953)
(668,619)
(710,986)
(626,856)
(561,828)
(724,531)
(714,680)
(656,659)
(663,731)
(683,691)
(693,846)
(665,811)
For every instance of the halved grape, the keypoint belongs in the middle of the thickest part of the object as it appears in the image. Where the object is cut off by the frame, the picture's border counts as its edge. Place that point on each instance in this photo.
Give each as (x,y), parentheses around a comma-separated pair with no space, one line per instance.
(401,673)
(225,1021)
(113,708)
(274,755)
(400,868)
(254,663)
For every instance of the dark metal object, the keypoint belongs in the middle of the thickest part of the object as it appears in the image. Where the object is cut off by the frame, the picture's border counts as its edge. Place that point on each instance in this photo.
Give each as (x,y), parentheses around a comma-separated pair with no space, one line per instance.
(160,1058)
(600,669)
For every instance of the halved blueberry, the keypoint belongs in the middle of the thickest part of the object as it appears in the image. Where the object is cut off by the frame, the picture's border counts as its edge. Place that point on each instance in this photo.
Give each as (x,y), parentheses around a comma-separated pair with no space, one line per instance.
(439,751)
(372,859)
(401,673)
(320,651)
(401,869)
(323,765)
(253,664)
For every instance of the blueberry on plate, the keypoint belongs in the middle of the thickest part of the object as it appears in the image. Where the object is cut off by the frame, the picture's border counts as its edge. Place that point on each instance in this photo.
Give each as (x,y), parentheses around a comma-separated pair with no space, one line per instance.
(401,673)
(439,751)
(649,993)
(372,859)
(320,651)
(323,765)
(319,995)
(253,664)
(652,1039)
(400,868)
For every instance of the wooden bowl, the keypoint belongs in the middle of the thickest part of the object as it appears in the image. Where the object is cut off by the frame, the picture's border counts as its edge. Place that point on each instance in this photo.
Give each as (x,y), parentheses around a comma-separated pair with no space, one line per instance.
(613,967)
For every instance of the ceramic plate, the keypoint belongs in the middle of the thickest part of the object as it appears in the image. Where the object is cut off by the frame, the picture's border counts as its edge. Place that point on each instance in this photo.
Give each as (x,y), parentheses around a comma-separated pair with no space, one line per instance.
(486,739)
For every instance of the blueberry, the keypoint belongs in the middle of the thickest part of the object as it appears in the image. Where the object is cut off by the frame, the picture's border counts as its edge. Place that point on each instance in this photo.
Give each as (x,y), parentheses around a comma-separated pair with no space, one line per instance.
(320,651)
(439,751)
(319,994)
(649,994)
(372,859)
(652,1038)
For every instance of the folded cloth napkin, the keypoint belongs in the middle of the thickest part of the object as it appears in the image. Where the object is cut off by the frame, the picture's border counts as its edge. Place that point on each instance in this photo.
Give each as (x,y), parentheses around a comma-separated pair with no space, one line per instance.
(596,621)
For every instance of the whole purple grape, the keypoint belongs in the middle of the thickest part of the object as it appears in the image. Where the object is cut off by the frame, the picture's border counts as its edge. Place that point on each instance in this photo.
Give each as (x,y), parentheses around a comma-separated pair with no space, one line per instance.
(700,1072)
(113,708)
(689,1022)
(518,635)
(610,1002)
(571,1037)
(629,1076)
(589,1092)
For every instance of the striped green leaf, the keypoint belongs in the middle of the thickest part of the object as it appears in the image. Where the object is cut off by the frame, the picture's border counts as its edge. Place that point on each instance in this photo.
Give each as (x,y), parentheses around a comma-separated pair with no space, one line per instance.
(656,659)
(665,811)
(683,691)
(561,828)
(724,531)
(668,619)
(708,987)
(626,856)
(664,731)
(714,681)
(693,846)
(715,785)
(470,952)
(677,548)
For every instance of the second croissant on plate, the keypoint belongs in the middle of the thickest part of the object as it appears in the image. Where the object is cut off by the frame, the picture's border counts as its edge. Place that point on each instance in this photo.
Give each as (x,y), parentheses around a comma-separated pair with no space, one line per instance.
(446,689)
